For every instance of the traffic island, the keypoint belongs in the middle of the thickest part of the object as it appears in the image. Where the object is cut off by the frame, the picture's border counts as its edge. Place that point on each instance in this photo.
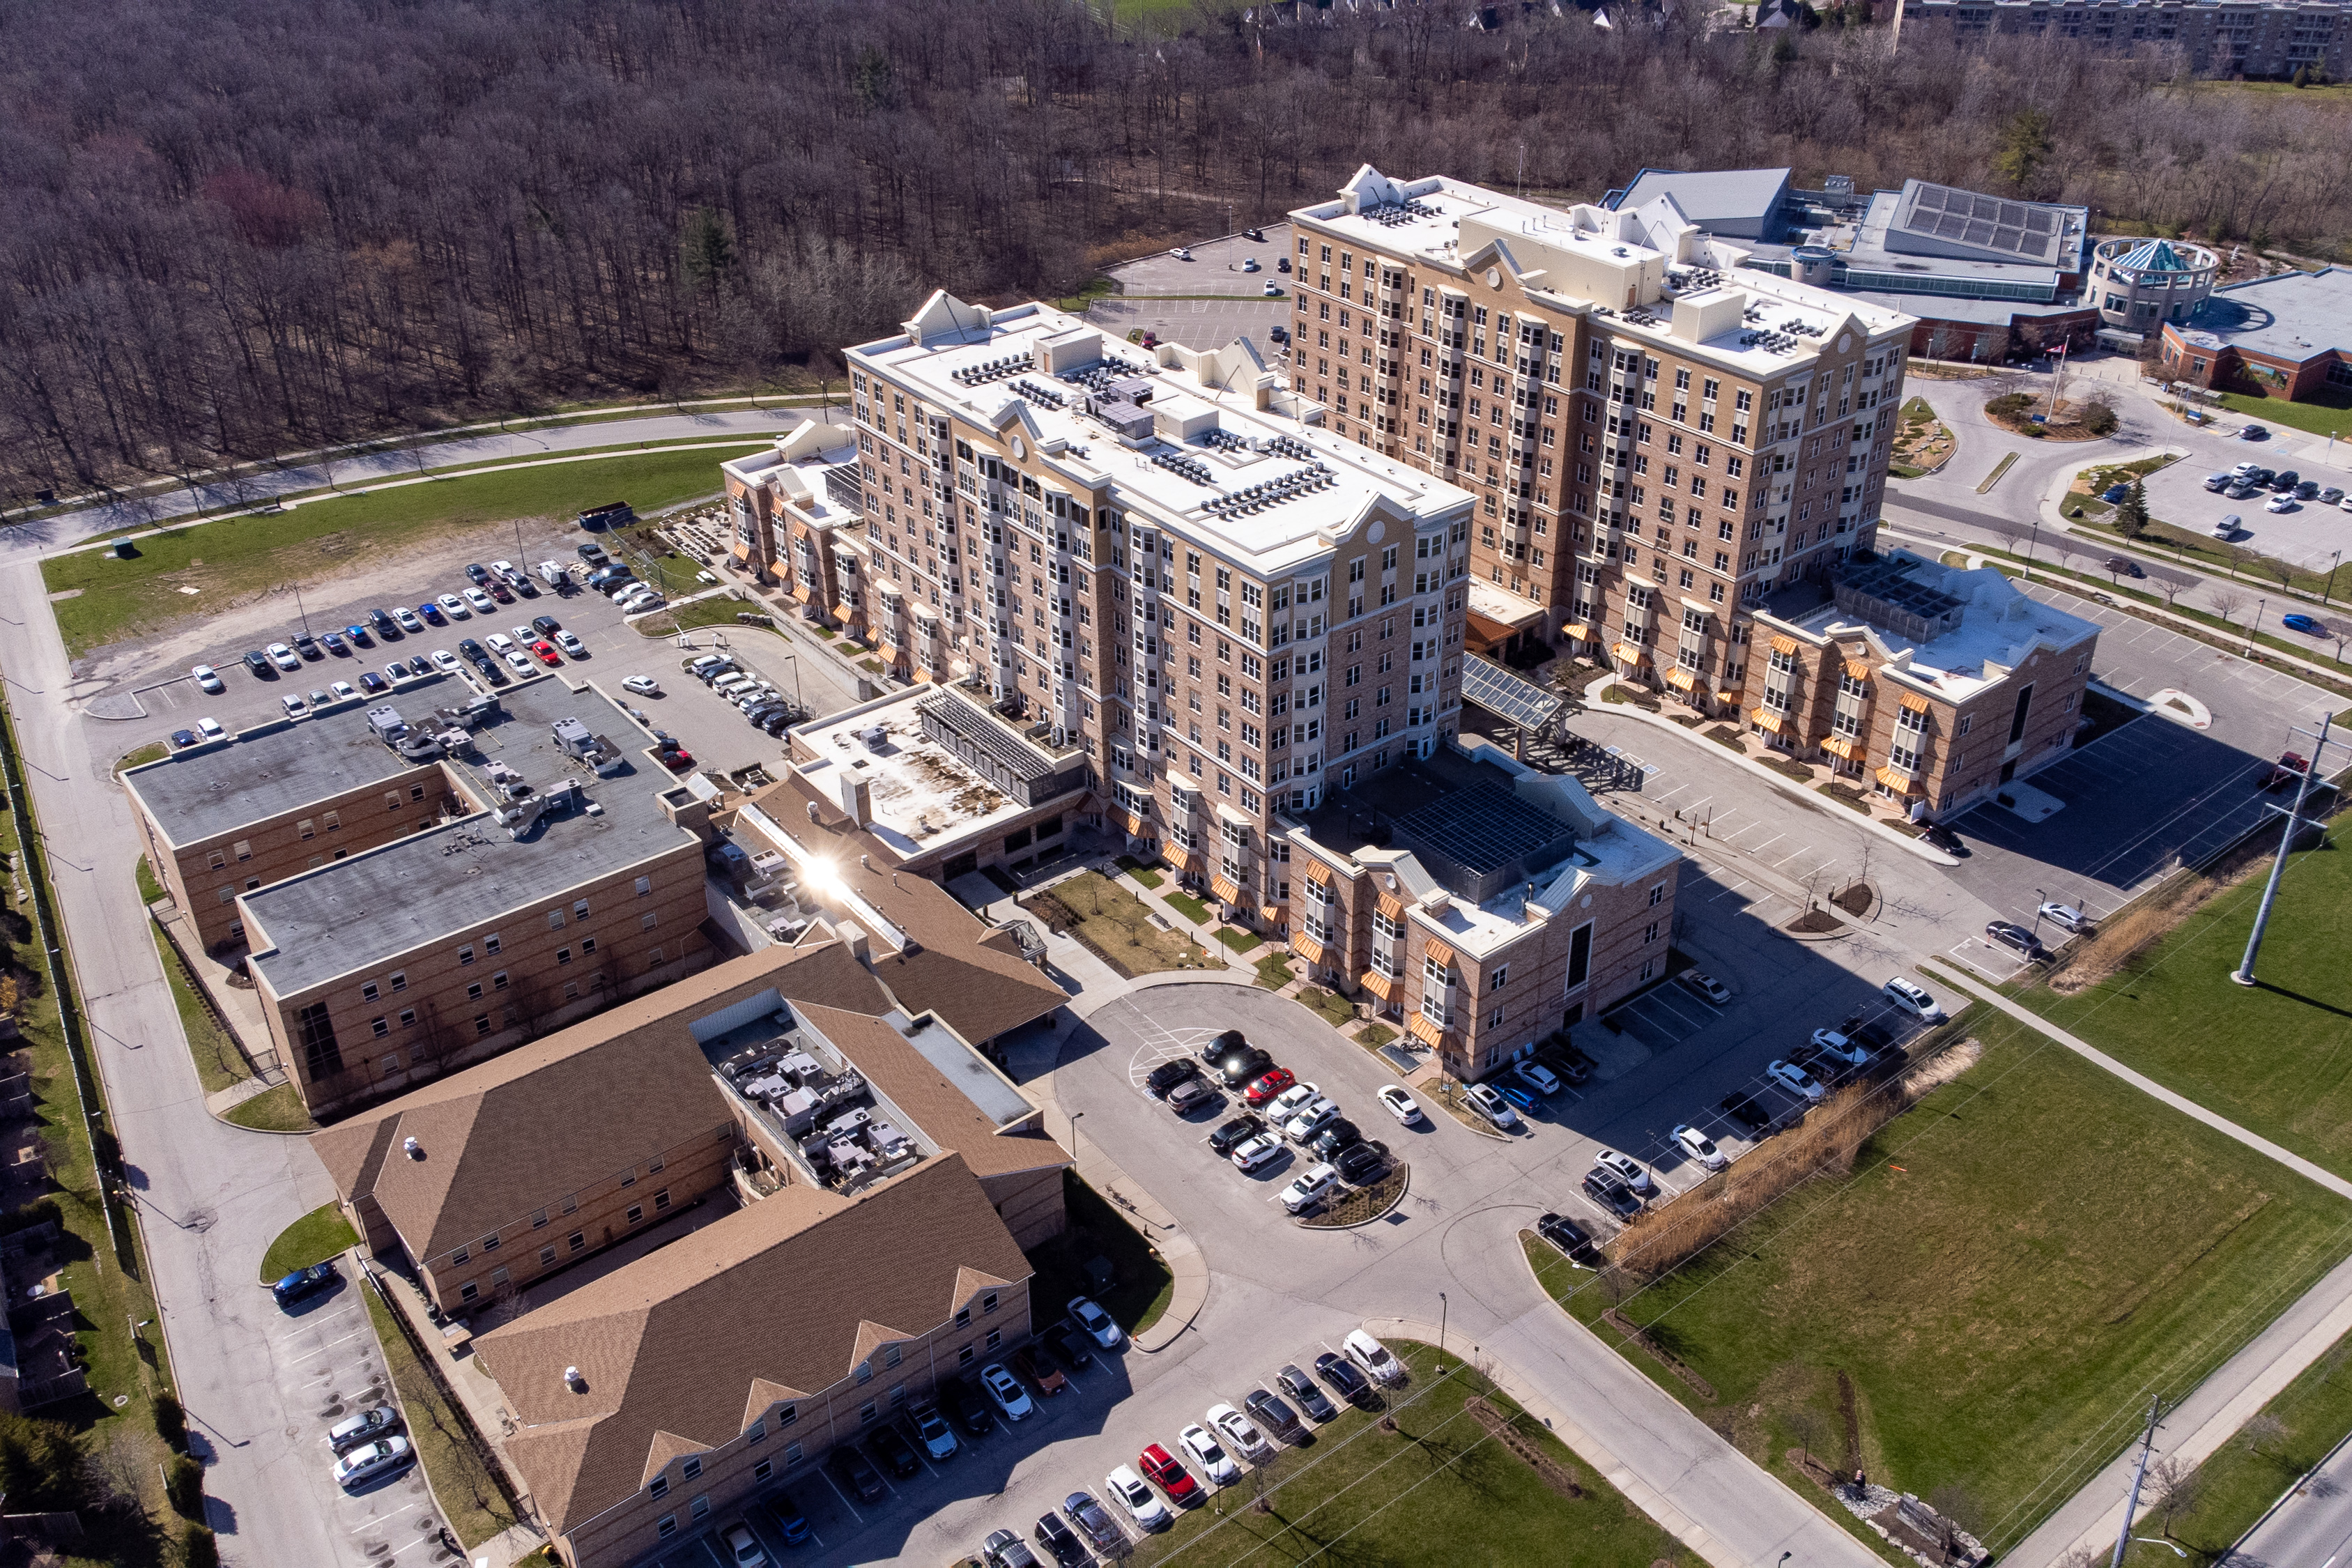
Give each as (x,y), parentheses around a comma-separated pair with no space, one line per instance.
(1360,1205)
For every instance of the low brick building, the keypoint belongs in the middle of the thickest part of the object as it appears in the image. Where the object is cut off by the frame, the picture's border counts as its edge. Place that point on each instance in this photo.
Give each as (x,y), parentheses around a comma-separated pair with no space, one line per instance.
(2288,335)
(1500,904)
(1920,682)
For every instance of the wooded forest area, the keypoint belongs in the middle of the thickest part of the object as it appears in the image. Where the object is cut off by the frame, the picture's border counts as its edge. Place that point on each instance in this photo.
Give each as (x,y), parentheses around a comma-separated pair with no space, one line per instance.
(238,228)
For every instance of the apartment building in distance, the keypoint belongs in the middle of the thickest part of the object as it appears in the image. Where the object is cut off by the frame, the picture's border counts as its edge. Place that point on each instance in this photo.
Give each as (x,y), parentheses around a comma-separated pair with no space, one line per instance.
(1920,682)
(1159,565)
(420,882)
(2216,37)
(703,1238)
(1655,438)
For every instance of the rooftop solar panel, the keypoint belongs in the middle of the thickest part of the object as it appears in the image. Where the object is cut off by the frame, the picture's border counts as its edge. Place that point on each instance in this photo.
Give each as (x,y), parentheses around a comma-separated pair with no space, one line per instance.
(1509,696)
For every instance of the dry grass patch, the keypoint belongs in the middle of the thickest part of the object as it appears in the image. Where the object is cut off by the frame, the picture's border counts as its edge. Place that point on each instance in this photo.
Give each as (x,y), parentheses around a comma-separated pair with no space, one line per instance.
(1115,926)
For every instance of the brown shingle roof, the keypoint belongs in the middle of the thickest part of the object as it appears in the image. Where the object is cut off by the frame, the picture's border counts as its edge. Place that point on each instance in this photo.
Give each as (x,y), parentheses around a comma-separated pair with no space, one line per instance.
(789,1292)
(557,1114)
(946,1116)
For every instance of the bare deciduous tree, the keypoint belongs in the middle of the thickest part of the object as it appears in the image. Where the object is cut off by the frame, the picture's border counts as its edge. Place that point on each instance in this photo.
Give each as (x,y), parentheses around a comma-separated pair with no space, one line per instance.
(2176,1487)
(2225,602)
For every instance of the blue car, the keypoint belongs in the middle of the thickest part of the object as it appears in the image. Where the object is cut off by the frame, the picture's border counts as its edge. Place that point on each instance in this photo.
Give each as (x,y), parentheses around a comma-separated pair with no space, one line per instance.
(358,634)
(2115,493)
(2253,433)
(1517,1096)
(303,1282)
(432,614)
(2310,623)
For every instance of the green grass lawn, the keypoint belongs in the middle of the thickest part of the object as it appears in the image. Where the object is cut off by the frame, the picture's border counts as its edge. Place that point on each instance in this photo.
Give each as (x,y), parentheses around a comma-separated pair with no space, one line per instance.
(322,1234)
(2276,1059)
(218,1061)
(1142,873)
(1273,971)
(233,558)
(2247,1474)
(2016,1264)
(1194,909)
(1240,940)
(1141,1283)
(468,1494)
(2328,413)
(718,612)
(1440,1490)
(150,889)
(1116,926)
(1335,1009)
(277,1110)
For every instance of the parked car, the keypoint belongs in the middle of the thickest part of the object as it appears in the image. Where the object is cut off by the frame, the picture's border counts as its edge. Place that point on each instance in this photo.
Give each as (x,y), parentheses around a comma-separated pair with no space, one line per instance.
(383,622)
(1626,1169)
(1181,253)
(1310,1395)
(1059,1539)
(1840,1048)
(183,739)
(1254,1154)
(1094,1522)
(743,1548)
(1190,1096)
(1745,1112)
(1699,1147)
(1012,1401)
(2230,526)
(1343,1378)
(643,685)
(256,661)
(307,646)
(2014,937)
(2253,433)
(210,729)
(2310,626)
(1611,1193)
(1705,986)
(452,606)
(890,1446)
(407,619)
(968,1407)
(294,706)
(1537,1077)
(1310,1118)
(1398,1103)
(364,1427)
(791,1522)
(1362,1164)
(284,657)
(855,1473)
(1267,1409)
(373,1461)
(1168,1074)
(1163,1467)
(1283,1106)
(1572,1240)
(1913,998)
(2218,481)
(2281,503)
(1795,1079)
(1240,1433)
(372,683)
(1309,1187)
(1487,1102)
(478,602)
(1210,1455)
(1243,1066)
(206,678)
(1367,1353)
(1095,1322)
(1515,1094)
(1044,1373)
(1334,1136)
(1068,1343)
(1143,1504)
(2067,917)
(1942,837)
(1269,1085)
(1231,1133)
(932,1430)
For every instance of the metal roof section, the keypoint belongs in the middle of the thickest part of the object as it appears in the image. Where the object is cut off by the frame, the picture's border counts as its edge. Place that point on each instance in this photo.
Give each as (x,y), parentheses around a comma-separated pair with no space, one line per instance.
(1939,220)
(1742,203)
(1509,696)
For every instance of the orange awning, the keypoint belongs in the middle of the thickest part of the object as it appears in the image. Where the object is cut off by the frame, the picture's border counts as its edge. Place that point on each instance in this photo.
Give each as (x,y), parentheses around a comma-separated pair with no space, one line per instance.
(1627,652)
(1437,952)
(1176,855)
(1424,1029)
(889,655)
(1273,914)
(1681,679)
(1767,718)
(1225,891)
(1578,632)
(1307,947)
(1378,985)
(1858,670)
(1839,746)
(1914,702)
(1317,872)
(1126,819)
(1728,695)
(1784,645)
(1898,782)
(1388,905)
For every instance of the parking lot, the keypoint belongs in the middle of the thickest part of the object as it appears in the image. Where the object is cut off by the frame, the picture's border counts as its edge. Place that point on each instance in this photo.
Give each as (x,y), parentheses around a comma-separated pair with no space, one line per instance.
(2312,532)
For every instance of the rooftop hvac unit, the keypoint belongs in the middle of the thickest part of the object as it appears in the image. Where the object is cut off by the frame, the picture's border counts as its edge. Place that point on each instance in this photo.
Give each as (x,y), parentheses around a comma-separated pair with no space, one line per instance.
(573,1381)
(414,1150)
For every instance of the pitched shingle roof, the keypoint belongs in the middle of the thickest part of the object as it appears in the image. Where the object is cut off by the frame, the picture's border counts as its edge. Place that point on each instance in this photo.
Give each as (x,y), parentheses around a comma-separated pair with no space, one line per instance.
(679,1351)
(945,1113)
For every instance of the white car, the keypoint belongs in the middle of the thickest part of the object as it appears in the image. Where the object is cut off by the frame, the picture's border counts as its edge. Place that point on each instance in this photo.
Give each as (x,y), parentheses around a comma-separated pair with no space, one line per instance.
(1535,1077)
(1143,1504)
(454,608)
(1399,1104)
(207,679)
(1913,998)
(1699,1147)
(643,685)
(1373,1357)
(1851,1052)
(520,664)
(570,644)
(377,1458)
(1095,1322)
(407,619)
(1310,1118)
(344,690)
(1181,253)
(1310,1187)
(1795,1079)
(1214,1462)
(1706,986)
(482,602)
(1241,1432)
(743,1549)
(1287,1102)
(442,660)
(1005,1392)
(1273,290)
(2065,916)
(1487,1102)
(2280,503)
(210,729)
(294,705)
(1625,1168)
(1252,1154)
(506,569)
(499,642)
(284,657)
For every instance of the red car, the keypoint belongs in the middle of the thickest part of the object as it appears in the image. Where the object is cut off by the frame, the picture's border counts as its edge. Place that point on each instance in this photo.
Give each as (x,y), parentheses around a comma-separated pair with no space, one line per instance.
(1269,1085)
(1039,1370)
(499,591)
(545,652)
(1174,1479)
(676,758)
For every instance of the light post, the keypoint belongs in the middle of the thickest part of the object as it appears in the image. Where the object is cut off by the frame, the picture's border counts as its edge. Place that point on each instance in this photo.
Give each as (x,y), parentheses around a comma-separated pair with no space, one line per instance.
(2327,583)
(1440,1331)
(2159,1540)
(2041,897)
(2254,626)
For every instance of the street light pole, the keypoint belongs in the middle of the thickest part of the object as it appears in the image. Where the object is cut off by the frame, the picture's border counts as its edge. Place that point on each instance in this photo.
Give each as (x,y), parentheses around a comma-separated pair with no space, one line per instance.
(2244,973)
(1440,1331)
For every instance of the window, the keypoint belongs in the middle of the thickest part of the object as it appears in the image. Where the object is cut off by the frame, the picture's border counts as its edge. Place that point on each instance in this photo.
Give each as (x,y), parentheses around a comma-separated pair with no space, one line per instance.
(995,1337)
(637,1212)
(562,955)
(666,1528)
(661,1200)
(546,1257)
(555,919)
(1657,895)
(661,1487)
(400,980)
(481,1025)
(379,1028)
(408,1018)
(490,943)
(368,993)
(701,1508)
(580,908)
(644,886)
(690,1469)
(469,1291)
(462,1254)
(988,1303)
(764,1469)
(648,921)
(576,1241)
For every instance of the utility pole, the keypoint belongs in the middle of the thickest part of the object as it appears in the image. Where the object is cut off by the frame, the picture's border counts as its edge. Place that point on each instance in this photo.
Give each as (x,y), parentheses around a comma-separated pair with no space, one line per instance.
(2244,973)
(2131,1503)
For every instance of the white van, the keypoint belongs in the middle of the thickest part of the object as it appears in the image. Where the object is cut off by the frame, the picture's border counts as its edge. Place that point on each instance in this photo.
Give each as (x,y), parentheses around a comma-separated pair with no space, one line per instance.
(552,574)
(728,685)
(1913,998)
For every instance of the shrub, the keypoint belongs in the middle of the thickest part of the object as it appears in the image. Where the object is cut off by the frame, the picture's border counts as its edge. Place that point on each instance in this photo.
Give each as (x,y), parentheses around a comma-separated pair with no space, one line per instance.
(2009,404)
(171,1422)
(41,1466)
(198,1549)
(183,1484)
(2098,418)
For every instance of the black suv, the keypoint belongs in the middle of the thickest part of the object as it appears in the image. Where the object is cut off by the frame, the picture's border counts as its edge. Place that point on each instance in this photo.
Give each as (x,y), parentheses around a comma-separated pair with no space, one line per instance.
(968,1406)
(2284,480)
(856,1472)
(1746,1112)
(1360,1164)
(1311,1397)
(546,625)
(257,662)
(1566,1235)
(1246,1065)
(1337,1134)
(1611,1195)
(1340,1374)
(889,1445)
(1223,1046)
(1222,1141)
(1271,1413)
(1168,1074)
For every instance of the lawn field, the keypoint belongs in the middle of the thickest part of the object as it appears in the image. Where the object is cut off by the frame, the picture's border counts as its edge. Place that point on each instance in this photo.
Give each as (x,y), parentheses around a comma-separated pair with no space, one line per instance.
(1116,926)
(1441,1491)
(2328,414)
(1979,1313)
(2278,1059)
(233,558)
(322,1234)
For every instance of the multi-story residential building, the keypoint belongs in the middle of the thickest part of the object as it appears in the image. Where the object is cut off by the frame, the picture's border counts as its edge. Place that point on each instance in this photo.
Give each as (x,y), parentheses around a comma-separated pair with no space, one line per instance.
(1495,903)
(2217,37)
(470,874)
(1163,562)
(1923,683)
(1655,439)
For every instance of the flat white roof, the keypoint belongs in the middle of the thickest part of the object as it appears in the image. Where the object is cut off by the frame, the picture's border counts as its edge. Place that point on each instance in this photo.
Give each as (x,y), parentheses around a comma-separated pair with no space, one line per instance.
(1998,627)
(922,794)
